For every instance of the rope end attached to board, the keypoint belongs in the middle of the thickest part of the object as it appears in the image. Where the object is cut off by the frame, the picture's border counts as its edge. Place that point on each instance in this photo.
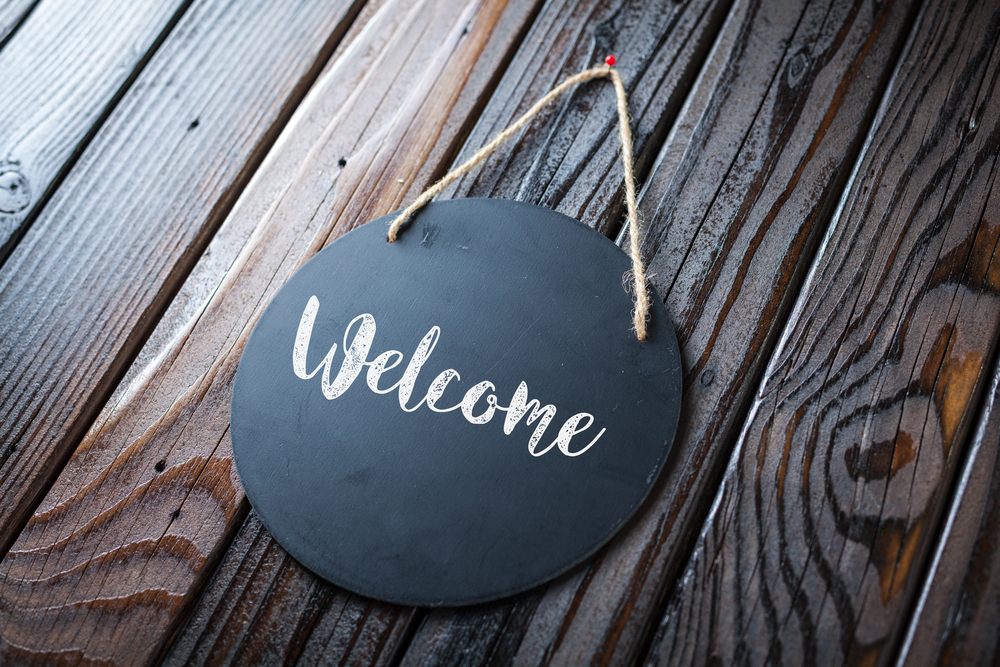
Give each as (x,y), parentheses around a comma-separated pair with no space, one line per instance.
(625,135)
(400,220)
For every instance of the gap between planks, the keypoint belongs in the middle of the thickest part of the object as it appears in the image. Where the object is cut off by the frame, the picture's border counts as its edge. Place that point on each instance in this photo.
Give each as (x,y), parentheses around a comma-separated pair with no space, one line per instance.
(950,424)
(12,14)
(48,91)
(354,170)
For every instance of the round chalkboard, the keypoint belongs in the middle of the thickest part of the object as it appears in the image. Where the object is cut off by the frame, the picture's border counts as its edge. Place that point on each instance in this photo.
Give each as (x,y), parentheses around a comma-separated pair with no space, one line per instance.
(460,415)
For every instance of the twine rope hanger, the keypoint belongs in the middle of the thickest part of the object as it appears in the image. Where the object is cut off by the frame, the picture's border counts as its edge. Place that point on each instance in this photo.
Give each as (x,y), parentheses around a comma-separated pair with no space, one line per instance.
(625,135)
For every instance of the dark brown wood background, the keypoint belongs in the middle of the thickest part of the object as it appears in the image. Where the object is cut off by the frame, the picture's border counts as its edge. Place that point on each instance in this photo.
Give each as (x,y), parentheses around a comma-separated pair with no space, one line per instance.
(820,214)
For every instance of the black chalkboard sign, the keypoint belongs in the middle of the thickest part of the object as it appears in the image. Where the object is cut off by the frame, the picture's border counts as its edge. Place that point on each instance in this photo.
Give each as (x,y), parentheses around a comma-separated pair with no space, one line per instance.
(457,416)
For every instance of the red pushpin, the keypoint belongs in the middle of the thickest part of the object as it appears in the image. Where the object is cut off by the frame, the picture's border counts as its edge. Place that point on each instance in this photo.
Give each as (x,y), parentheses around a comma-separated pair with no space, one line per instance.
(610,60)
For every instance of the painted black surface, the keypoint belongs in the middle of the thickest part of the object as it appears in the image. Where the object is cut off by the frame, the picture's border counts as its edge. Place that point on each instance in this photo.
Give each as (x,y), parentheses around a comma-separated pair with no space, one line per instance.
(428,508)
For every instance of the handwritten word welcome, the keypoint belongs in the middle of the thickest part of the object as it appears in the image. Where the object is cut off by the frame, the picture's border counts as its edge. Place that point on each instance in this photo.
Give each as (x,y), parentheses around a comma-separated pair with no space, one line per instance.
(356,358)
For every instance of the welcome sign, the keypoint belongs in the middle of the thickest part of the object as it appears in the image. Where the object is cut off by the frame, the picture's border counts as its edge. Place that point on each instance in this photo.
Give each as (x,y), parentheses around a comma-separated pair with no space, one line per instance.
(356,358)
(460,415)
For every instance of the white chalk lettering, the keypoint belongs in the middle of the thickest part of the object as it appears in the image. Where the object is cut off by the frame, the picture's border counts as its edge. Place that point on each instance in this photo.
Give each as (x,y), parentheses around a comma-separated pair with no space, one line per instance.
(472,397)
(420,355)
(516,410)
(356,358)
(302,342)
(570,428)
(378,367)
(438,385)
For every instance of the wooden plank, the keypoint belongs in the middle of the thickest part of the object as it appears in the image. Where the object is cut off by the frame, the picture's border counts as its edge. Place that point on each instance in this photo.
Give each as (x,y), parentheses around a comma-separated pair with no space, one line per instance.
(62,73)
(262,608)
(12,12)
(957,619)
(81,291)
(816,541)
(568,158)
(238,226)
(85,285)
(318,623)
(738,197)
(589,150)
(131,530)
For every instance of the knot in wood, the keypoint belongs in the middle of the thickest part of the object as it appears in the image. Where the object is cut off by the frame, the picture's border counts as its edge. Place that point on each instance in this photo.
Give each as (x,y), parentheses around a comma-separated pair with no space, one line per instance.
(796,67)
(15,195)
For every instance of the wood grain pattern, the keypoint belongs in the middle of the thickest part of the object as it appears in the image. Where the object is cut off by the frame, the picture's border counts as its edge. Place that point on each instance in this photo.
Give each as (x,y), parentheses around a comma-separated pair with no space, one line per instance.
(957,619)
(676,41)
(262,608)
(568,158)
(817,545)
(739,195)
(225,246)
(814,546)
(130,531)
(67,66)
(85,285)
(12,12)
(128,222)
(314,633)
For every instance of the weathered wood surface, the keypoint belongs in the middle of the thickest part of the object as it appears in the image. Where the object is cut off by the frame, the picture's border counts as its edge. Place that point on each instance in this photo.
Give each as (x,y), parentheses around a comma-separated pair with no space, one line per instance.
(957,619)
(733,207)
(237,227)
(675,40)
(85,285)
(315,618)
(263,608)
(813,550)
(144,548)
(132,528)
(568,158)
(83,288)
(62,72)
(12,12)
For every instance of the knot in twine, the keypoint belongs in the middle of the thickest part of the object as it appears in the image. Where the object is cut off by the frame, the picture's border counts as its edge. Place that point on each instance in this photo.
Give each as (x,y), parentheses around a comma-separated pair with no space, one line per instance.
(625,134)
